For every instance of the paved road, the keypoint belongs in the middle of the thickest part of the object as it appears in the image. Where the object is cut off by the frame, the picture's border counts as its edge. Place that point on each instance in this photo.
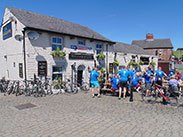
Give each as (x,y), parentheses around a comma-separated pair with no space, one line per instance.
(79,115)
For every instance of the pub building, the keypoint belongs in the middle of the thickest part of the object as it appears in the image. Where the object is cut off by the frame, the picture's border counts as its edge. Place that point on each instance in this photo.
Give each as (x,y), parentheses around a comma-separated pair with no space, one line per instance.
(33,44)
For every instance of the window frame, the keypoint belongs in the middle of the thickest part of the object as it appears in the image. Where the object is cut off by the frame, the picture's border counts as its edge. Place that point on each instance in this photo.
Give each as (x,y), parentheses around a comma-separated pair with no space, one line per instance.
(84,42)
(56,44)
(98,49)
(61,72)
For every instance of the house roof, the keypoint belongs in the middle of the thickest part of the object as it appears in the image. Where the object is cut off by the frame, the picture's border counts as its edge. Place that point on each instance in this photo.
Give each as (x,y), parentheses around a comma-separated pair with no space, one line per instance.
(127,48)
(153,44)
(47,23)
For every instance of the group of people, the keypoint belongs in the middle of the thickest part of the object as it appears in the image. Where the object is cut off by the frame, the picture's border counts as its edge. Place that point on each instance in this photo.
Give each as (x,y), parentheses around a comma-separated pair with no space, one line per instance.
(129,79)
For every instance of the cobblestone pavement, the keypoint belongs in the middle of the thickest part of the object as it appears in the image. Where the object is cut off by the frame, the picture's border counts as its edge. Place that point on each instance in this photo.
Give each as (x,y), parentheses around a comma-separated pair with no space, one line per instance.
(80,115)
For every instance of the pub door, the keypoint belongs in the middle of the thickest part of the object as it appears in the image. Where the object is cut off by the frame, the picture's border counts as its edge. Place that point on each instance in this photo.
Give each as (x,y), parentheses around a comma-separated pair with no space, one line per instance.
(80,71)
(79,77)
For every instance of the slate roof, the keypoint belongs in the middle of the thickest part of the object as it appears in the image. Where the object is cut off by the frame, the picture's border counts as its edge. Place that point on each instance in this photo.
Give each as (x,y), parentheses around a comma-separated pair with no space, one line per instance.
(127,48)
(47,23)
(154,44)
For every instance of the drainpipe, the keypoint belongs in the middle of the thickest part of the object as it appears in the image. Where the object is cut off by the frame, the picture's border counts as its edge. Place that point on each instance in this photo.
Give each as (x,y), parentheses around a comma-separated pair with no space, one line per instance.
(25,72)
(107,64)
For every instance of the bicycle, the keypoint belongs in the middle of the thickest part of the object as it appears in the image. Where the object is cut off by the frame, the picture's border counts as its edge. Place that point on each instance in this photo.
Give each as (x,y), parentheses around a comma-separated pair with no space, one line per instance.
(152,94)
(84,86)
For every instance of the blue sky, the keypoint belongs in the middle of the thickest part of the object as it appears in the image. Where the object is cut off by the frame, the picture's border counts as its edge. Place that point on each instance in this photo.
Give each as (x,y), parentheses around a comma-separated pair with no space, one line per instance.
(118,20)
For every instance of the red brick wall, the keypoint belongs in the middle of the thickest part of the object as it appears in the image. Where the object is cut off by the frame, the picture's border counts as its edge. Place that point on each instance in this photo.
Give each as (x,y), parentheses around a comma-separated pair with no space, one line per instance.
(165,53)
(164,66)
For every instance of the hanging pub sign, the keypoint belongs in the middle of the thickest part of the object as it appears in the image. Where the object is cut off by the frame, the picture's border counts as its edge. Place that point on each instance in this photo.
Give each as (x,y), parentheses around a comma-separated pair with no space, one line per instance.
(42,68)
(20,70)
(7,31)
(80,55)
(111,68)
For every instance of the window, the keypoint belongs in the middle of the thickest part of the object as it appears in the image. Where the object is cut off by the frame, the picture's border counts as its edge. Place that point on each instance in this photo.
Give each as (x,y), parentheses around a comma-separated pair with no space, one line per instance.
(160,52)
(14,64)
(56,43)
(133,58)
(81,42)
(145,60)
(98,48)
(20,70)
(57,73)
(156,52)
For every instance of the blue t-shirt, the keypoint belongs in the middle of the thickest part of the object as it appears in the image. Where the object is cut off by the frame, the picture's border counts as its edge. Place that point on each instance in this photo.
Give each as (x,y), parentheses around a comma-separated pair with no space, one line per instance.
(134,72)
(130,72)
(135,81)
(147,78)
(124,75)
(171,75)
(159,73)
(140,77)
(93,76)
(115,82)
(181,76)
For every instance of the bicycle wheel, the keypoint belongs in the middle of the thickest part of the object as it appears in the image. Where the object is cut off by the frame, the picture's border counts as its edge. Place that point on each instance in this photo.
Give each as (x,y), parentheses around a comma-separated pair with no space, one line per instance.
(85,87)
(55,88)
(151,99)
(179,98)
(48,89)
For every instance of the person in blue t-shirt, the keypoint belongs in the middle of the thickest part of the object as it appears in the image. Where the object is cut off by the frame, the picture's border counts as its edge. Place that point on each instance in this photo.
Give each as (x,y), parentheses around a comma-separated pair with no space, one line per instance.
(134,72)
(94,75)
(171,74)
(134,85)
(159,76)
(124,77)
(131,74)
(115,83)
(147,80)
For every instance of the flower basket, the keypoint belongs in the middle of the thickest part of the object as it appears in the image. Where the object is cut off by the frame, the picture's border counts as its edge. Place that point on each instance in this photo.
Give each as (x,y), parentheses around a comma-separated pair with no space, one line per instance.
(59,54)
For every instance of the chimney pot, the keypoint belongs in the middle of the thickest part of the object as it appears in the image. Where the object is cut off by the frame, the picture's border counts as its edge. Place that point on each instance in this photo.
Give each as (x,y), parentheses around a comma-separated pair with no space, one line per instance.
(149,37)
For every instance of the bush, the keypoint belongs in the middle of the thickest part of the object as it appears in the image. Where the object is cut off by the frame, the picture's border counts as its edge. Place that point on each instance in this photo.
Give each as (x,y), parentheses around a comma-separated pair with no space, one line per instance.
(152,63)
(100,56)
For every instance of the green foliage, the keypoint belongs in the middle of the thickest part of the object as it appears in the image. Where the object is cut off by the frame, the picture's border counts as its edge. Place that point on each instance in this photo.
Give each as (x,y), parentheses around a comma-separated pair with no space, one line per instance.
(58,53)
(100,80)
(130,63)
(100,56)
(178,54)
(115,63)
(102,70)
(152,63)
(141,62)
(135,63)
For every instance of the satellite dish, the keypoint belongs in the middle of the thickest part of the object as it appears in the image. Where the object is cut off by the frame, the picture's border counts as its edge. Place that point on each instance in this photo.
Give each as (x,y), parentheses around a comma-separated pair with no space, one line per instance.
(32,35)
(19,37)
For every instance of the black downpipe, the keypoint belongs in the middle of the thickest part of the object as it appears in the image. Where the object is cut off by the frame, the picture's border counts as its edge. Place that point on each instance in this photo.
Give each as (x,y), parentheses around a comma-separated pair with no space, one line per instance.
(25,67)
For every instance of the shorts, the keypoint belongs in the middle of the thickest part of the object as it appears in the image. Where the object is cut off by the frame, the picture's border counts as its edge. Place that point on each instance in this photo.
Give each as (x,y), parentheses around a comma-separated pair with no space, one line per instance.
(159,82)
(148,85)
(94,84)
(123,84)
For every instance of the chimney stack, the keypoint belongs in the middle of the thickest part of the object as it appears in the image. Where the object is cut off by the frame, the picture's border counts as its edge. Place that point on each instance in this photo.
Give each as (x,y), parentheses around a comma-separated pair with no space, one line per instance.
(149,37)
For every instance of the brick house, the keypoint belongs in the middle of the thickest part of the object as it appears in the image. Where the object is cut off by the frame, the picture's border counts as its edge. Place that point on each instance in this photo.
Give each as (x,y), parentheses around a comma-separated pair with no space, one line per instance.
(159,47)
